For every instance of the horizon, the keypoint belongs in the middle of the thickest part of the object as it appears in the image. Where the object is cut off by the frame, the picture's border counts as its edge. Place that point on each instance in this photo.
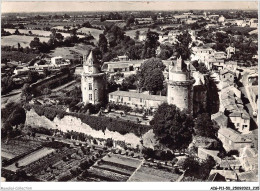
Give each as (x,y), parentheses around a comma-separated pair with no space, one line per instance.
(106,6)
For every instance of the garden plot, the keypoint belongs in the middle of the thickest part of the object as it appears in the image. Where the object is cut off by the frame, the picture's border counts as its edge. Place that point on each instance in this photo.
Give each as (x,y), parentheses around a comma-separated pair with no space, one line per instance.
(36,155)
(18,146)
(123,160)
(115,167)
(149,174)
(106,175)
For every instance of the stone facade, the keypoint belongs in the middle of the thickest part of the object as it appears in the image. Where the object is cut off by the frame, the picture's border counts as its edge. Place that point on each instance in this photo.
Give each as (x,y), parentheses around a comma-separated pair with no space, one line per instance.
(92,82)
(180,87)
(70,123)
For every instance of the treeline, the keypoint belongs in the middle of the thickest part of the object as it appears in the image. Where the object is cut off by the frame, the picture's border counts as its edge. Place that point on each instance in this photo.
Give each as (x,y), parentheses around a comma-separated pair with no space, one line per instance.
(97,123)
(58,40)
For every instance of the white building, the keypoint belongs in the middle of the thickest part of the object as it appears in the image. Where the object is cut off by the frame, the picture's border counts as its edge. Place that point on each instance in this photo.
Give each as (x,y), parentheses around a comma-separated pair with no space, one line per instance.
(57,60)
(241,121)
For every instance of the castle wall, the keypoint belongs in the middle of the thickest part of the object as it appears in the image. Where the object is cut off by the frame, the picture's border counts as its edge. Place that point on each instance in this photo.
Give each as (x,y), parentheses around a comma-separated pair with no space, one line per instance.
(181,96)
(69,123)
(180,76)
(97,92)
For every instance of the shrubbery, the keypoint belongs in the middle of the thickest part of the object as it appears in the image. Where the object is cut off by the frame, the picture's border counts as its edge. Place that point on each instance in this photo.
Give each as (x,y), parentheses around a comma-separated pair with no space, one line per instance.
(97,123)
(158,154)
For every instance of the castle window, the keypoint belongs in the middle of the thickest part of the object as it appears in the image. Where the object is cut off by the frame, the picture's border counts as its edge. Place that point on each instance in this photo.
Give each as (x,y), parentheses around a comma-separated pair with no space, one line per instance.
(111,96)
(90,96)
(90,86)
(141,100)
(129,99)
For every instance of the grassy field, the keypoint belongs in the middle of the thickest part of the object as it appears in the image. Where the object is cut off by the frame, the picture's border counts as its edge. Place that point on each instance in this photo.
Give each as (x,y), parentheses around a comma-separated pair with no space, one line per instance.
(38,32)
(95,32)
(131,33)
(24,41)
(71,52)
(18,56)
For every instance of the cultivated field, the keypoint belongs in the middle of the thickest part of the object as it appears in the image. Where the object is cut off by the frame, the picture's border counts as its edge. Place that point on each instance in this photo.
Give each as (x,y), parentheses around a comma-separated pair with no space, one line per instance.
(74,52)
(152,174)
(28,159)
(24,41)
(131,33)
(18,146)
(39,32)
(113,168)
(94,32)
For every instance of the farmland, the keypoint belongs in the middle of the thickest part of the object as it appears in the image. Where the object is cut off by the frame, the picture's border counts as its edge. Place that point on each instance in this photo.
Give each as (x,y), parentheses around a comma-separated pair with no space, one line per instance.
(94,32)
(24,41)
(152,174)
(39,32)
(36,155)
(18,146)
(74,52)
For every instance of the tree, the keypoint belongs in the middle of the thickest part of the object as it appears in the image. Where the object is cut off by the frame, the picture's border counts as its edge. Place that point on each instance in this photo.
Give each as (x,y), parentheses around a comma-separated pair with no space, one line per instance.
(174,128)
(35,43)
(137,33)
(17,32)
(87,25)
(204,126)
(152,68)
(182,46)
(26,91)
(102,43)
(59,37)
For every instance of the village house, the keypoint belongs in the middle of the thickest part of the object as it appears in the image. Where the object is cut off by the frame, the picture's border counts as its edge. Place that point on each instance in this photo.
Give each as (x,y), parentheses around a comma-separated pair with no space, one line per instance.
(253,23)
(220,119)
(202,54)
(227,76)
(230,51)
(241,120)
(136,100)
(122,66)
(232,140)
(205,153)
(229,175)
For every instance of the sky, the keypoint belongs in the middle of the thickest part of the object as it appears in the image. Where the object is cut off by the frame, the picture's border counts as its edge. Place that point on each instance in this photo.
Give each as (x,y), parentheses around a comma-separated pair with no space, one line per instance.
(57,6)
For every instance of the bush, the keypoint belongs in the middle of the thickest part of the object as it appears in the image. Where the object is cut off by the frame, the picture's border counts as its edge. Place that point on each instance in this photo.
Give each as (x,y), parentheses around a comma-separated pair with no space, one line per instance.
(109,142)
(232,152)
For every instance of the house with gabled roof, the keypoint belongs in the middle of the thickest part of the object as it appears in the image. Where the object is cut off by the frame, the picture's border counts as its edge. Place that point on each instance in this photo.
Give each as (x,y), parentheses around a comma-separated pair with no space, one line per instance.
(233,140)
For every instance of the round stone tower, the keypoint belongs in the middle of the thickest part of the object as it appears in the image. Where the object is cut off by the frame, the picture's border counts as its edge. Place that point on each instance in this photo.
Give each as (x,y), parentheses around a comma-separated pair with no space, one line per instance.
(92,81)
(180,86)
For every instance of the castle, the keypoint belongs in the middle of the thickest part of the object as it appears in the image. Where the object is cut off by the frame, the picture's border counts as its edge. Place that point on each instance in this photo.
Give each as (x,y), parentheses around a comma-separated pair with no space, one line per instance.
(92,81)
(179,85)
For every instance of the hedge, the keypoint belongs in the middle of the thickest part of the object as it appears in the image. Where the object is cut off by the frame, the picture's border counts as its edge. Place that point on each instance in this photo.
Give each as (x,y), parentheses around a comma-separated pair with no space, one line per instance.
(97,123)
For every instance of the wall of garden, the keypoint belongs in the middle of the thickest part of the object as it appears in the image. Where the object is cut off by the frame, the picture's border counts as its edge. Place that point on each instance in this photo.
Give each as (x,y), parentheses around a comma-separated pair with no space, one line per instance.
(68,122)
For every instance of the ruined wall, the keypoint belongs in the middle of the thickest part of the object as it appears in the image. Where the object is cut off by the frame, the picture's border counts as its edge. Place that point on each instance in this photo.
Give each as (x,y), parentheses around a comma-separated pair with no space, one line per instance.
(69,123)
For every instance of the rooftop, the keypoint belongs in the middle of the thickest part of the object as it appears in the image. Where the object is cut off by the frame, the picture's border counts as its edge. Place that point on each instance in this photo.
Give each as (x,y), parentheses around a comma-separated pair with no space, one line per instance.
(139,95)
(220,119)
(233,135)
